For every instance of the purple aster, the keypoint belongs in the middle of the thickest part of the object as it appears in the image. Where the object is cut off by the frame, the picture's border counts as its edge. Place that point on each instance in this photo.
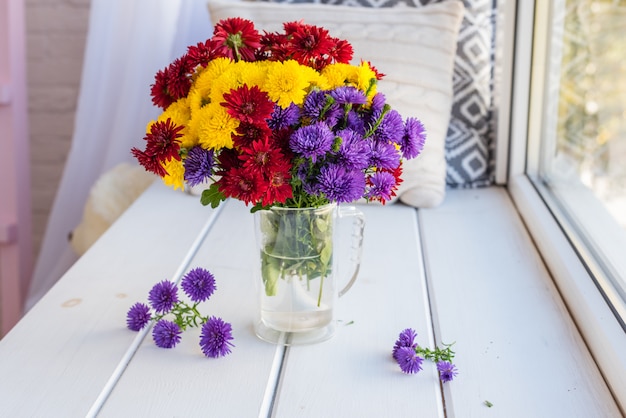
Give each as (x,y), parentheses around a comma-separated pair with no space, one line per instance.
(198,165)
(309,182)
(355,122)
(166,334)
(384,155)
(215,338)
(317,107)
(413,139)
(378,103)
(353,151)
(447,370)
(376,109)
(408,360)
(312,141)
(382,184)
(405,339)
(340,184)
(138,316)
(284,118)
(391,128)
(163,296)
(198,284)
(348,95)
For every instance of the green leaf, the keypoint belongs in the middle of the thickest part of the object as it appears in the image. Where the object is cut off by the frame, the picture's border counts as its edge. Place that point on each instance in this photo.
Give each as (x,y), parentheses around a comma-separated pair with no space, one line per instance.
(270,271)
(212,196)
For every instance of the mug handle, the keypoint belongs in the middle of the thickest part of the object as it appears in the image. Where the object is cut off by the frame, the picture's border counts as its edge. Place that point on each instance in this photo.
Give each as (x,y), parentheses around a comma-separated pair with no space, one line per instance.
(358,226)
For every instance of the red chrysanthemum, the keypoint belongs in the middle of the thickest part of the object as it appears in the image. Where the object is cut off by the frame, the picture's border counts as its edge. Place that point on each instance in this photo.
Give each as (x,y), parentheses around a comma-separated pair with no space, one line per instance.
(248,132)
(249,105)
(309,44)
(228,159)
(179,78)
(245,185)
(279,186)
(342,51)
(236,38)
(162,141)
(262,157)
(159,92)
(149,162)
(280,139)
(202,53)
(273,47)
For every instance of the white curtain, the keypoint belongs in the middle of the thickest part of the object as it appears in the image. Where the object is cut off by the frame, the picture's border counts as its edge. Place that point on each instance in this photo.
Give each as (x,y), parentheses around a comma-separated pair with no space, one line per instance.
(127,42)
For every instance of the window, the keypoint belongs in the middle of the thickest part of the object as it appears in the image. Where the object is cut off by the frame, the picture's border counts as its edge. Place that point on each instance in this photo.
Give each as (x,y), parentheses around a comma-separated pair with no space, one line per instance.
(580,155)
(565,170)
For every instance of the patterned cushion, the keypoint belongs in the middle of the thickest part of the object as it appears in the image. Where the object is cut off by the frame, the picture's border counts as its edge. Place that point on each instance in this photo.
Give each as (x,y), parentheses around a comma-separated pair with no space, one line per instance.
(415,48)
(470,138)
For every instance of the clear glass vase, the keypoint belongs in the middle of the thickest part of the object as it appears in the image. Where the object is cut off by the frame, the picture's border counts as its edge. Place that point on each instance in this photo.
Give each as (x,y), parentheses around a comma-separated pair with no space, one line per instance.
(297,283)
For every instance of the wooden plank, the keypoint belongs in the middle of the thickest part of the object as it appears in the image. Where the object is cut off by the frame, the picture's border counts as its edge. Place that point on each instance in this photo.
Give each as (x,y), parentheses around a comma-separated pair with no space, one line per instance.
(516,344)
(56,360)
(182,381)
(353,373)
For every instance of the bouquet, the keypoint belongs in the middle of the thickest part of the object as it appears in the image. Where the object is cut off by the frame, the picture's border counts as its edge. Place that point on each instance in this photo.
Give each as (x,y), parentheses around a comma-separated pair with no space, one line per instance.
(276,119)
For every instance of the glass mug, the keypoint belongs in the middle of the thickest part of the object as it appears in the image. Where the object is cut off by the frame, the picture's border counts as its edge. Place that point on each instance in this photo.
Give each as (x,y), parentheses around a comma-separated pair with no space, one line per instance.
(297,282)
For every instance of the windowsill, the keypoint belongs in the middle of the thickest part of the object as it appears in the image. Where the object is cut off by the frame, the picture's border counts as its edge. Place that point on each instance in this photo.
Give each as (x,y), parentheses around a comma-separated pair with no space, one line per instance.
(598,325)
(599,237)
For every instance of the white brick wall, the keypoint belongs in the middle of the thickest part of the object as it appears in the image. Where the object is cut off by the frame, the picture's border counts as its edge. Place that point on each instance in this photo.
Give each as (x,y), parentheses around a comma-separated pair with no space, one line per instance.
(56,32)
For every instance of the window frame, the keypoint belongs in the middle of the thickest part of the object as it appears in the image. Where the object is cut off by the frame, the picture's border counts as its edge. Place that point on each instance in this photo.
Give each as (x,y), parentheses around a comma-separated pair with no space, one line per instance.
(599,326)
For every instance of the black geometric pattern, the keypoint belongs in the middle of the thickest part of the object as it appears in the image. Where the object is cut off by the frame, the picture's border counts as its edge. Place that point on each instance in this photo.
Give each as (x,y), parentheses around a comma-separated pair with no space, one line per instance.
(470,142)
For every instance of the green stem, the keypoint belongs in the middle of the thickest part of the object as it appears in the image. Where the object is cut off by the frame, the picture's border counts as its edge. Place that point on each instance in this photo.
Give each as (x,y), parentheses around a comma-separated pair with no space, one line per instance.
(319,296)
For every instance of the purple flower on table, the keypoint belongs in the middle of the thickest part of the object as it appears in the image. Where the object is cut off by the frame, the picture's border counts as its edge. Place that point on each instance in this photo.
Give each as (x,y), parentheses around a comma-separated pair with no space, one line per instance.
(138,316)
(447,370)
(408,360)
(413,140)
(284,118)
(383,155)
(312,141)
(198,165)
(198,284)
(339,184)
(382,184)
(405,339)
(166,334)
(163,296)
(215,337)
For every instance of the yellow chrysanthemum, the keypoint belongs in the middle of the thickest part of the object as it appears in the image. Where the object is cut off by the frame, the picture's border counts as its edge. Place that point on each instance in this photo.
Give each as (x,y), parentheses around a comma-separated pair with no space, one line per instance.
(203,81)
(251,73)
(338,74)
(287,82)
(175,174)
(180,113)
(213,126)
(365,79)
(217,66)
(200,92)
(229,80)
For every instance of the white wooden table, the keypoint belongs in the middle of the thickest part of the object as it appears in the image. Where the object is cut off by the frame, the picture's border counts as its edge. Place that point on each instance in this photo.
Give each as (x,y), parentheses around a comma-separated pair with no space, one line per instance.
(464,272)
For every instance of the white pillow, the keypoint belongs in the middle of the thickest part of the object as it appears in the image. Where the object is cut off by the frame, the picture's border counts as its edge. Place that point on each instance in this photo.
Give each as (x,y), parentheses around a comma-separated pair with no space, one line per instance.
(413,47)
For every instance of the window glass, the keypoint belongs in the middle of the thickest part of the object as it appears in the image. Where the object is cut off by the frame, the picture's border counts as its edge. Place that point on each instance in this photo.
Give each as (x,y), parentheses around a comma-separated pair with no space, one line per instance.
(582,155)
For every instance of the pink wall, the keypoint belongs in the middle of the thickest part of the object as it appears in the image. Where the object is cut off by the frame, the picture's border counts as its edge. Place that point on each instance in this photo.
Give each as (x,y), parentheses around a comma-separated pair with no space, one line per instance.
(15,204)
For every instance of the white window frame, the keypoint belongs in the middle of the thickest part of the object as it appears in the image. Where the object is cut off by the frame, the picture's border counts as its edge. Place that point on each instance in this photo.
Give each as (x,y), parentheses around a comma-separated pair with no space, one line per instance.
(598,324)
